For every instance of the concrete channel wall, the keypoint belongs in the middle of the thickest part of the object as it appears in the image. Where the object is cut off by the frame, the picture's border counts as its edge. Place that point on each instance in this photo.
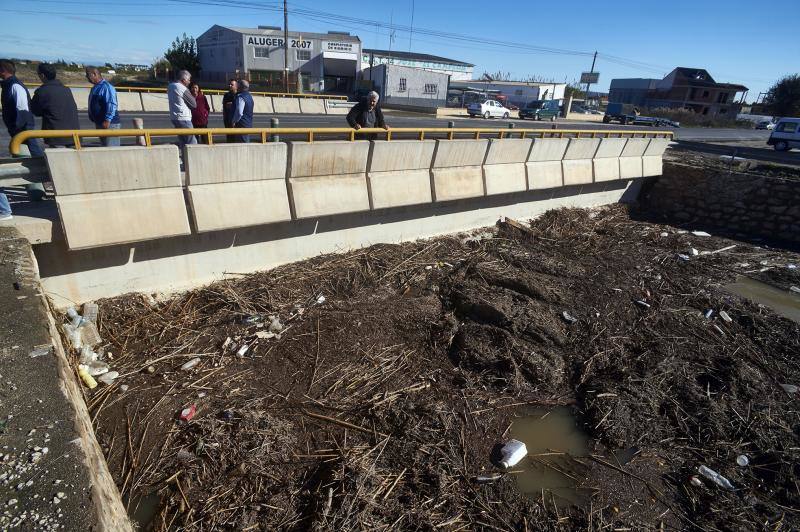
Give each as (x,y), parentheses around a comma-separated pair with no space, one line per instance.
(266,195)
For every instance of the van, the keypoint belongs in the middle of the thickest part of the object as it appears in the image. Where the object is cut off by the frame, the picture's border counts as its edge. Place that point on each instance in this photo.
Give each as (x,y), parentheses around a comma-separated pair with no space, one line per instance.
(541,110)
(786,134)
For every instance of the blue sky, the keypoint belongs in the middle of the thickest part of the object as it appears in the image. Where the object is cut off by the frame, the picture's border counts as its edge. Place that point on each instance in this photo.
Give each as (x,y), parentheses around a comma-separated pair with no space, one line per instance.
(735,40)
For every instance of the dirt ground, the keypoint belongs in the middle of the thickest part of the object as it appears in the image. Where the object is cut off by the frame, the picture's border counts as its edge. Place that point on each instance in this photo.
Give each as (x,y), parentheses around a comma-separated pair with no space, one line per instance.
(380,406)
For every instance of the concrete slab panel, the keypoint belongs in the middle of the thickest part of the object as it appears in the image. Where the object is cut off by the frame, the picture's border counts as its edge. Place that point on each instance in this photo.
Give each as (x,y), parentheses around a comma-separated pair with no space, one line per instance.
(652,165)
(545,174)
(398,188)
(581,149)
(503,151)
(230,205)
(657,146)
(328,194)
(505,178)
(606,169)
(155,101)
(92,170)
(457,182)
(577,171)
(228,163)
(312,106)
(285,105)
(216,102)
(81,97)
(262,105)
(635,147)
(630,167)
(460,152)
(92,220)
(338,107)
(611,147)
(548,150)
(390,155)
(328,158)
(129,101)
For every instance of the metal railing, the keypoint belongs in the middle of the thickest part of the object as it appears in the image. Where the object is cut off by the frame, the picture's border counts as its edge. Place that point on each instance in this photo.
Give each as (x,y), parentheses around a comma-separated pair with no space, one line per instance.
(266,134)
(223,91)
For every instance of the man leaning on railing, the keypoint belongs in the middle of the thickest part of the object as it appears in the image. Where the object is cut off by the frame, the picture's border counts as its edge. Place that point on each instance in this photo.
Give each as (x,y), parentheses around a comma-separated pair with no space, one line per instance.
(367,114)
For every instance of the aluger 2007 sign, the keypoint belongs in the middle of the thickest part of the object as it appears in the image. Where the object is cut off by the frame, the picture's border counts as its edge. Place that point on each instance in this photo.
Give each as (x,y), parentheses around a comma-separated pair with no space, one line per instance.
(257,40)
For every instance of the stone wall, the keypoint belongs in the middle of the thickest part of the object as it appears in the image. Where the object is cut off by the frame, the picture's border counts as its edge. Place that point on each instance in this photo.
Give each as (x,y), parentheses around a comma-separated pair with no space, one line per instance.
(745,205)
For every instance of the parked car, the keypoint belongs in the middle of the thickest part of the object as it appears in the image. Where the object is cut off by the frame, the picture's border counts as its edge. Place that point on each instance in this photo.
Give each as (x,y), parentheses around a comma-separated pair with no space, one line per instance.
(579,109)
(786,134)
(541,110)
(765,124)
(488,109)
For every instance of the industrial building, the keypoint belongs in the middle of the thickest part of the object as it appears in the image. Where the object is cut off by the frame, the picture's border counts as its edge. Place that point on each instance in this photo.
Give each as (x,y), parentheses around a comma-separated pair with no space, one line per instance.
(317,62)
(407,87)
(683,88)
(457,70)
(518,93)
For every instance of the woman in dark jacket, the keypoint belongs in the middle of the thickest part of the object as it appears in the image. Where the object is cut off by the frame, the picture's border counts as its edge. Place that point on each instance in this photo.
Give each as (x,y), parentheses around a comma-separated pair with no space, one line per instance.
(199,113)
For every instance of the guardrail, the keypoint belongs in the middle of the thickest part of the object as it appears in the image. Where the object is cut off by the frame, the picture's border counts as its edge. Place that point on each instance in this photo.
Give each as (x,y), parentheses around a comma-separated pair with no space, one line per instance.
(222,91)
(265,133)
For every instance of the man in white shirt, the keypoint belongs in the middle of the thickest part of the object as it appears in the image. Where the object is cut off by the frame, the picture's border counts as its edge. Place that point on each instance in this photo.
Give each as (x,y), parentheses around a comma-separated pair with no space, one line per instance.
(181,103)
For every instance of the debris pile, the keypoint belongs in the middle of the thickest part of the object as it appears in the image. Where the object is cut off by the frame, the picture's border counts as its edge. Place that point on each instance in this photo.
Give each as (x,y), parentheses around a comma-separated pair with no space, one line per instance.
(258,403)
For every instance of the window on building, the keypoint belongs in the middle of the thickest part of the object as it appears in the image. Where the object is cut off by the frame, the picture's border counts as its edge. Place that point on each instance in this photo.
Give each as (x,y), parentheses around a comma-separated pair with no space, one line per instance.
(722,97)
(402,84)
(430,88)
(705,94)
(303,55)
(260,51)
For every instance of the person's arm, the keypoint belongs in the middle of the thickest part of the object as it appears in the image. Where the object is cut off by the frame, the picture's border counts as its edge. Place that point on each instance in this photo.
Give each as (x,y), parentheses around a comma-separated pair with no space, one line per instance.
(189,99)
(351,116)
(379,120)
(21,103)
(36,103)
(92,97)
(239,112)
(110,97)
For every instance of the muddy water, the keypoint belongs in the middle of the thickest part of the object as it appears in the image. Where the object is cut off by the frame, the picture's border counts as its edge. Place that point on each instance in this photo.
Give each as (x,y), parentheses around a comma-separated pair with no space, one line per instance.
(551,436)
(782,302)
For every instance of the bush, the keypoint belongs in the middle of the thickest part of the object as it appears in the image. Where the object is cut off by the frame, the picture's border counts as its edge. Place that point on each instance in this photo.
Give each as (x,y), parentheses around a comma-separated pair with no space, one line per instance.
(688,118)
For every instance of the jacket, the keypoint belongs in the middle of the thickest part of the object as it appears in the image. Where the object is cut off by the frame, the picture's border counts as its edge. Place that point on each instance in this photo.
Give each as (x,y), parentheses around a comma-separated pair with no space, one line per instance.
(200,113)
(103,104)
(55,104)
(16,101)
(243,110)
(357,114)
(181,102)
(228,108)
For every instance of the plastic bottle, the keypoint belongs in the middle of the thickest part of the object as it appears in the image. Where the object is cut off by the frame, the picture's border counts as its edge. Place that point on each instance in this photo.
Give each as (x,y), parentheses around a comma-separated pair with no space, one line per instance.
(192,363)
(74,317)
(513,451)
(715,477)
(90,312)
(88,380)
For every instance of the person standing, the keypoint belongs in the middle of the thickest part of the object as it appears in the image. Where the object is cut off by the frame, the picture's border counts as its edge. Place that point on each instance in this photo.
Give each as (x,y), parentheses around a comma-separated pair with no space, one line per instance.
(200,112)
(228,101)
(367,114)
(243,110)
(181,103)
(103,106)
(55,104)
(16,101)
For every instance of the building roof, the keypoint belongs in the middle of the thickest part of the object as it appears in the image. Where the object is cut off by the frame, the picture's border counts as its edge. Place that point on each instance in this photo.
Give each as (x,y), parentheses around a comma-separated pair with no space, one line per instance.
(310,35)
(701,78)
(513,83)
(412,56)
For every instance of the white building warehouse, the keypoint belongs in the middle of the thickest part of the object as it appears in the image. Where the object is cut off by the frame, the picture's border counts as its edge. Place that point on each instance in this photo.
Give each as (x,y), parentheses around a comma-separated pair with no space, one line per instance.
(317,62)
(457,70)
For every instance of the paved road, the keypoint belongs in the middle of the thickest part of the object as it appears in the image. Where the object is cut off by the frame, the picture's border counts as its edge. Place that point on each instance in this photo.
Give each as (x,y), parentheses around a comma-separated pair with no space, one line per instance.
(161,120)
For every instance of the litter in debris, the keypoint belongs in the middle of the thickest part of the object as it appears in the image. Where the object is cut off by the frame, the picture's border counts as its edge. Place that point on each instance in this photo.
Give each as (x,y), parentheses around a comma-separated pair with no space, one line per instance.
(124,388)
(485,479)
(320,299)
(694,252)
(715,477)
(88,380)
(700,233)
(568,317)
(189,365)
(90,312)
(742,460)
(794,289)
(512,452)
(709,313)
(664,234)
(724,315)
(790,388)
(108,378)
(265,335)
(40,351)
(242,350)
(97,368)
(695,480)
(791,266)
(683,257)
(188,413)
(642,303)
(275,325)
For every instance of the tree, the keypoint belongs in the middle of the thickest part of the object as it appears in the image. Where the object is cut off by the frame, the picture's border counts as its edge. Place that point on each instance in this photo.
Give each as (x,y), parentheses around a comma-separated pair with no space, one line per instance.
(182,55)
(783,98)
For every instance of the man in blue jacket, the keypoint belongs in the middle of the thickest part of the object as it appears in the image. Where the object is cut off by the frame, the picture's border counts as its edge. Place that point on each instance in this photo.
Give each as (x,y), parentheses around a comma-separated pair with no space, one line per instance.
(103,106)
(243,110)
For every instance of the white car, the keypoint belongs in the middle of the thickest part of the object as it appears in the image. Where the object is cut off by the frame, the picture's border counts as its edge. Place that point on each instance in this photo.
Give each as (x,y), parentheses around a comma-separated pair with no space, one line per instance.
(488,109)
(786,134)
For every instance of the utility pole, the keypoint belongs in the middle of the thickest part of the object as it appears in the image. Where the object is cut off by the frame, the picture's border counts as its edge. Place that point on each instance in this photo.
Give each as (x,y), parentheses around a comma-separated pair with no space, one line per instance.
(285,47)
(411,33)
(586,98)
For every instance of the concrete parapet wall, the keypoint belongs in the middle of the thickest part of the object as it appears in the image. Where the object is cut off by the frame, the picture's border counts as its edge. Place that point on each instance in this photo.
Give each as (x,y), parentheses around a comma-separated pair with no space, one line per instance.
(457,183)
(503,151)
(215,100)
(401,155)
(227,163)
(312,106)
(656,147)
(581,149)
(606,159)
(229,205)
(630,161)
(261,104)
(129,102)
(544,174)
(550,149)
(92,170)
(651,165)
(504,167)
(285,105)
(399,172)
(635,147)
(328,158)
(316,196)
(577,162)
(337,107)
(81,97)
(460,152)
(152,101)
